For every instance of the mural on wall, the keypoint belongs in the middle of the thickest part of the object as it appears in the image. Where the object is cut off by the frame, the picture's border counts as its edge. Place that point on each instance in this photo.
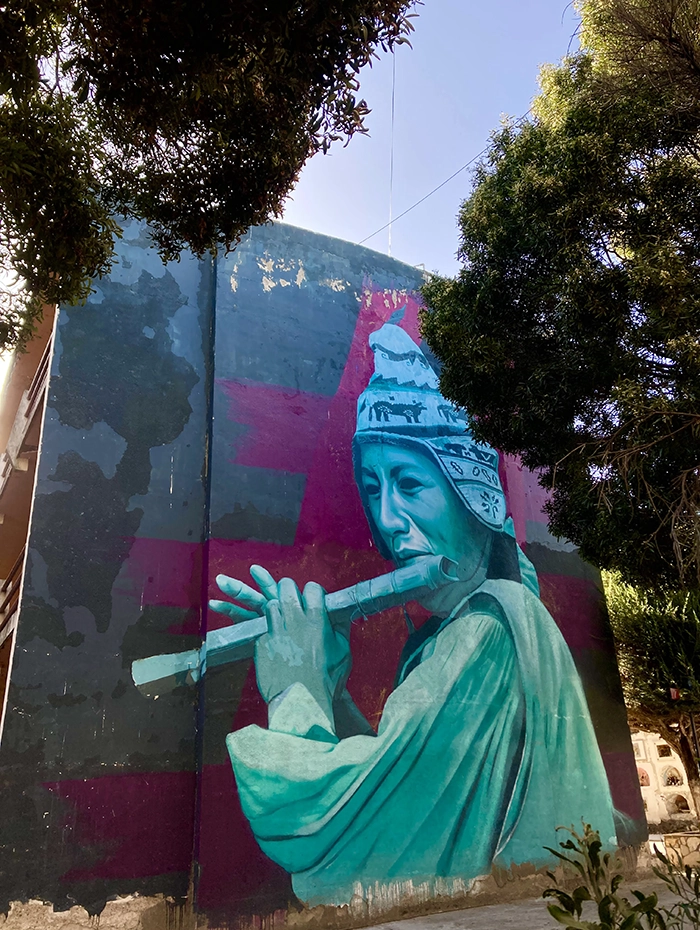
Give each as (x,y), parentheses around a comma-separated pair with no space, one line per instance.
(485,744)
(287,633)
(381,757)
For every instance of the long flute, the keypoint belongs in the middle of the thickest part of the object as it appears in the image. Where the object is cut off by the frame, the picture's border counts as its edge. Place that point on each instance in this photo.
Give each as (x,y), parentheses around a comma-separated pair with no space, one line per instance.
(425,574)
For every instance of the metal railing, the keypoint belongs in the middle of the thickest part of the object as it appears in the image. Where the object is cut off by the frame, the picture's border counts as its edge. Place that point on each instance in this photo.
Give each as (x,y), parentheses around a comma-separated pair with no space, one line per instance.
(12,458)
(39,381)
(9,596)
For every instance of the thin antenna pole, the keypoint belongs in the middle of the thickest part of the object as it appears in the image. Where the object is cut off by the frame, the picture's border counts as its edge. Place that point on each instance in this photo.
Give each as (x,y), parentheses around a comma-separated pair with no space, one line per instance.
(391,157)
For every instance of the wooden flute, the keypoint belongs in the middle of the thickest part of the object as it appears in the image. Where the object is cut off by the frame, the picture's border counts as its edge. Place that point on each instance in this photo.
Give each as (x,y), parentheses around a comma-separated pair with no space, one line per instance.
(231,643)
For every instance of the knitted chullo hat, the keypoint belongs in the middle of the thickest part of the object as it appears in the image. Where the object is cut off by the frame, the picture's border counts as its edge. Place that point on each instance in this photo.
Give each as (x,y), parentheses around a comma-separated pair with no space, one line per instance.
(402,405)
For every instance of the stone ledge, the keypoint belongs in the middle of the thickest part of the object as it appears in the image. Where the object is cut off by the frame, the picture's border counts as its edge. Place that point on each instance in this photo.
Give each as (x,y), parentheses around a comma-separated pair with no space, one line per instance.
(128,913)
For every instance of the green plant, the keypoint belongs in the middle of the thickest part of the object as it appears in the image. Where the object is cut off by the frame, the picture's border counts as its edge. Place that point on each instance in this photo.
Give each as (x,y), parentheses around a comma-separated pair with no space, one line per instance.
(657,640)
(684,882)
(601,881)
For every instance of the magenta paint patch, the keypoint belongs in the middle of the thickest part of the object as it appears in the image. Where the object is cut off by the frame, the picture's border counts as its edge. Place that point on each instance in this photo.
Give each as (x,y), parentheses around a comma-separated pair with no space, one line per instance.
(526,497)
(576,605)
(163,572)
(135,825)
(232,867)
(624,783)
(283,426)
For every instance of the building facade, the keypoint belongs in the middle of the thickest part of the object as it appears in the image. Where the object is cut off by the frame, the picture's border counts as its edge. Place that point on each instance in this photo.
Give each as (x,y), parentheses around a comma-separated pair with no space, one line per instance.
(182,722)
(662,779)
(21,411)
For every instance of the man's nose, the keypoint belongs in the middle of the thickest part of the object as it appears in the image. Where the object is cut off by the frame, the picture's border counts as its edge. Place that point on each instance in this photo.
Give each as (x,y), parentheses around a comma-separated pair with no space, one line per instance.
(392,519)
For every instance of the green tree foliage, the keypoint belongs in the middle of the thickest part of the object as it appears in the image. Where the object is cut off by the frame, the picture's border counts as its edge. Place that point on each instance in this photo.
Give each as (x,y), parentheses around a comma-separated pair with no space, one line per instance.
(571,335)
(655,42)
(194,115)
(657,635)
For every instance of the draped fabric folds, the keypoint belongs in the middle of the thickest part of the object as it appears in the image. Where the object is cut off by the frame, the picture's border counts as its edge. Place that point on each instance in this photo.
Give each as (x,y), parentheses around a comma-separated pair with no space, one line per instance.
(482,751)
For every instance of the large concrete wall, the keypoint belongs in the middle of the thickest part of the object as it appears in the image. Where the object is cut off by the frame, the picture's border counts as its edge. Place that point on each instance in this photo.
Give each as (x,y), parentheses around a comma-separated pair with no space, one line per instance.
(98,783)
(201,419)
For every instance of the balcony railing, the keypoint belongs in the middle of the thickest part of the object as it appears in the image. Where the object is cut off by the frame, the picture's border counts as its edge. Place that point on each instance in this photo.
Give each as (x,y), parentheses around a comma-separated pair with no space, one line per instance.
(9,597)
(39,382)
(30,404)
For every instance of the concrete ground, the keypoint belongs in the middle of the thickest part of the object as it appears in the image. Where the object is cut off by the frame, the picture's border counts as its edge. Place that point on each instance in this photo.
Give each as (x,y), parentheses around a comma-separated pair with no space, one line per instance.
(529,914)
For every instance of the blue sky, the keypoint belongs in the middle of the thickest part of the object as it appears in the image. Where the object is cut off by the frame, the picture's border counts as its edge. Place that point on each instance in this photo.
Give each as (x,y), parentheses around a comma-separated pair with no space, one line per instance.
(471,62)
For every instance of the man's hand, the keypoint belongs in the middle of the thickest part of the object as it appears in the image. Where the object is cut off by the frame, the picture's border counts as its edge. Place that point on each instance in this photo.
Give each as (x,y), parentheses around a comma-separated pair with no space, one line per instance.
(302,646)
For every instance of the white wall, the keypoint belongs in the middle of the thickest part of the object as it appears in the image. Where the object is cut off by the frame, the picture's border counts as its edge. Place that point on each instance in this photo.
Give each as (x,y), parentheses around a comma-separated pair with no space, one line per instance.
(657,759)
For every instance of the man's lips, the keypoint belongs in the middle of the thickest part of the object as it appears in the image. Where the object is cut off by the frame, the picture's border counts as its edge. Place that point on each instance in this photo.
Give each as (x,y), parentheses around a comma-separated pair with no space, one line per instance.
(406,556)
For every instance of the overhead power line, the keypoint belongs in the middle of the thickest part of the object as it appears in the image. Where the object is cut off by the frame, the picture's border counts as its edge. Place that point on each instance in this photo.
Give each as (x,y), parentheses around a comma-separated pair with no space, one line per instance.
(429,194)
(435,189)
(391,160)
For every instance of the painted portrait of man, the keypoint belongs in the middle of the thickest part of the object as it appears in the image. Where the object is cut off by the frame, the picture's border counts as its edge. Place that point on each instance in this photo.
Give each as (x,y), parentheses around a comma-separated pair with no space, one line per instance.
(484,746)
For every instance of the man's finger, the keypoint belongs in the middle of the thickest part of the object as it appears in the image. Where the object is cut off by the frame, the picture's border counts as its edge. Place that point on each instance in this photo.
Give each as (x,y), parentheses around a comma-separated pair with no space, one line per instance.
(241,592)
(264,581)
(315,599)
(275,622)
(233,611)
(289,596)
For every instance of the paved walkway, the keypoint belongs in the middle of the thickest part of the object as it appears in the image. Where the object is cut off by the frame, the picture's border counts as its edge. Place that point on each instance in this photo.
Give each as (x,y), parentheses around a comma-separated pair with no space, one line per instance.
(528,914)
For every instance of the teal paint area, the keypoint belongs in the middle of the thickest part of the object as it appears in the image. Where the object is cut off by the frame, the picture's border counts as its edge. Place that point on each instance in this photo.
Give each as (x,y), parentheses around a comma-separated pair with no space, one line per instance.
(282,610)
(485,745)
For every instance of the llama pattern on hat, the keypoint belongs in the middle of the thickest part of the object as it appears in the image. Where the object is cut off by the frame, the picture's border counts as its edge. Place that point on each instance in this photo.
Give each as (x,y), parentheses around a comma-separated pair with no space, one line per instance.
(402,404)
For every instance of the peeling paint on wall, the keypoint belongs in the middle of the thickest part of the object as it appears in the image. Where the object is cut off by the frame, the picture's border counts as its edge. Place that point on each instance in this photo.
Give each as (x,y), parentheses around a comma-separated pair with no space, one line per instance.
(167,461)
(87,768)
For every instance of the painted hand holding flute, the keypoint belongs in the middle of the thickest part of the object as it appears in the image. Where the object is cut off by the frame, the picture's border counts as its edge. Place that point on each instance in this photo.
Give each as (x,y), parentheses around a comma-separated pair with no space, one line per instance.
(301,644)
(254,613)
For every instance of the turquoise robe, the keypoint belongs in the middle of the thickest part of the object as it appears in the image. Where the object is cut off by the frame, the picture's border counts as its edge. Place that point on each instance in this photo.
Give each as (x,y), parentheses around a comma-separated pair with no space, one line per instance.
(482,751)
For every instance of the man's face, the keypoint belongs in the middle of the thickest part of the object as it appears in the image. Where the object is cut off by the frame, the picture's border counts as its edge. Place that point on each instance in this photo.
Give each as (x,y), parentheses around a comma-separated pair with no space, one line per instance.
(412,504)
